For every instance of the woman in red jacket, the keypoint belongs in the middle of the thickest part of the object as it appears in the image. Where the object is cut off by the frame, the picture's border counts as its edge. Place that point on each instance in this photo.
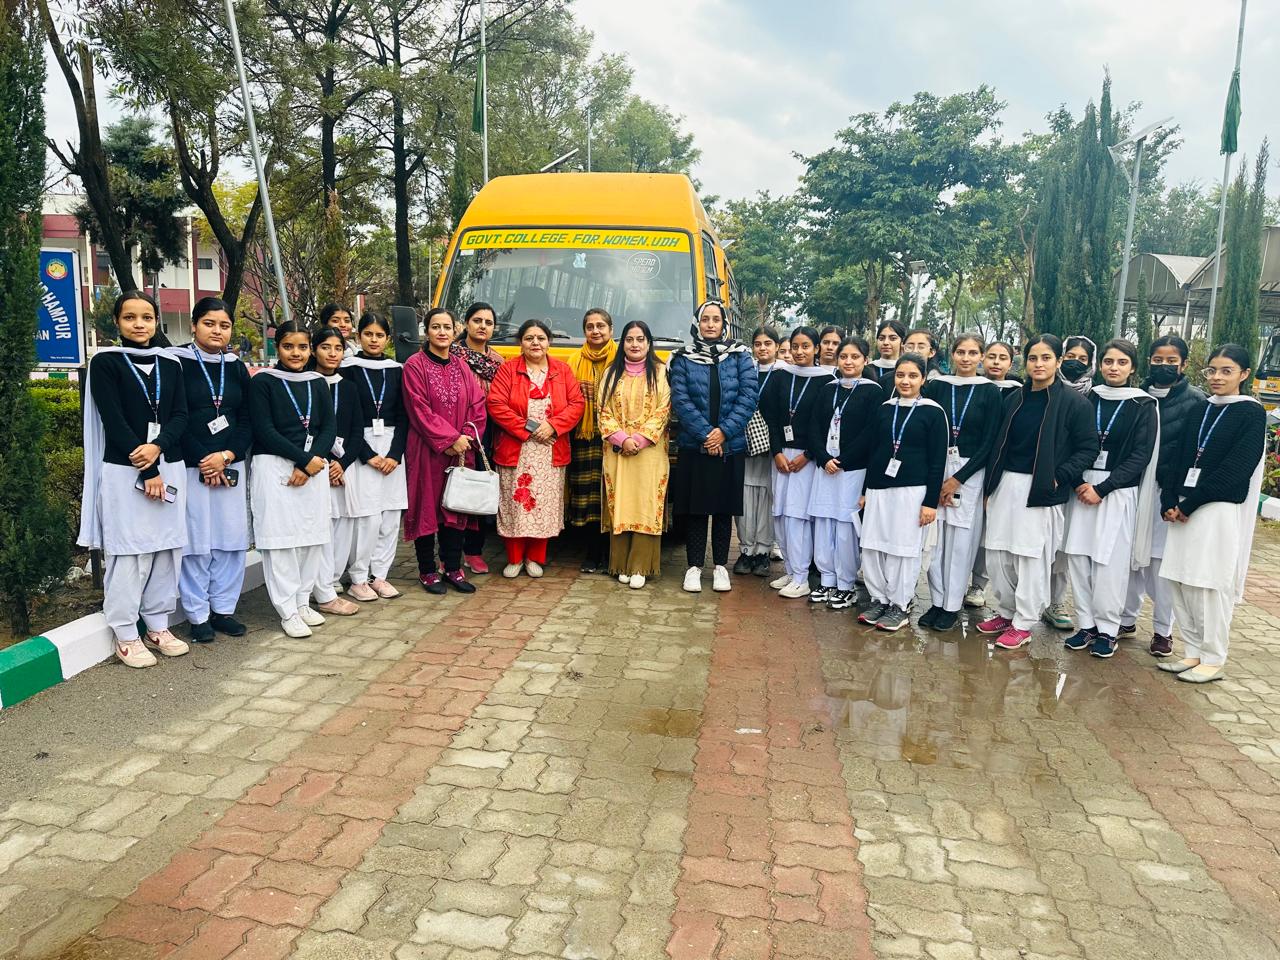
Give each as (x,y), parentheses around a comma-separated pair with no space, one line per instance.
(534,402)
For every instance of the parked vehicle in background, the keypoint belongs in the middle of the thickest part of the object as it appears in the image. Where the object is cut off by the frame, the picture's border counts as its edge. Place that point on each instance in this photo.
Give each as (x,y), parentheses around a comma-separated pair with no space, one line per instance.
(1266,378)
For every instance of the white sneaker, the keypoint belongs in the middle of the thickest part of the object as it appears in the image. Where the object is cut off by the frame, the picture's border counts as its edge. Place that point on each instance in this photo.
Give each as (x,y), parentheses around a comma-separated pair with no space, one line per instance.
(310,617)
(533,569)
(975,598)
(166,643)
(720,580)
(635,581)
(623,578)
(512,570)
(295,627)
(133,654)
(781,581)
(693,580)
(794,591)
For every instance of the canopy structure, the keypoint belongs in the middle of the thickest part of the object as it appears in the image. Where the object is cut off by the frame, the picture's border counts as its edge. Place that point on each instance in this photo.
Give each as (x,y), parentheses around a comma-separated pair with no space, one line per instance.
(1178,287)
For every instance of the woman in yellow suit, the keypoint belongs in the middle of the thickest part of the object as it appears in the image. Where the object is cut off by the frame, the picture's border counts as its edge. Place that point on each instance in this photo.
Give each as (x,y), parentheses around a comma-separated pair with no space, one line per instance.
(635,405)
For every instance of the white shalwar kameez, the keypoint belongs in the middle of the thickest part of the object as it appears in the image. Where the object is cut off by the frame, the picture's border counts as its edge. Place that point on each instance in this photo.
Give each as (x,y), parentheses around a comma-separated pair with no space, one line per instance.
(892,541)
(1098,548)
(1146,581)
(1021,543)
(792,524)
(959,538)
(833,504)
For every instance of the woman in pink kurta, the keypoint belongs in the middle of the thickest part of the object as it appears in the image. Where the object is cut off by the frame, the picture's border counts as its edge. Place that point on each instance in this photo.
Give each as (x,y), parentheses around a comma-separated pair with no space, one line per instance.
(445,403)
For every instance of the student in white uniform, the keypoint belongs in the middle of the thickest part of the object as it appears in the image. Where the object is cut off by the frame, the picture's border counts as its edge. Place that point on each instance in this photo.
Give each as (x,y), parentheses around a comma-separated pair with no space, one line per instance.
(1180,407)
(1111,512)
(904,478)
(1046,439)
(134,502)
(1212,513)
(841,417)
(215,446)
(382,484)
(890,338)
(293,430)
(327,352)
(793,470)
(755,526)
(997,366)
(974,407)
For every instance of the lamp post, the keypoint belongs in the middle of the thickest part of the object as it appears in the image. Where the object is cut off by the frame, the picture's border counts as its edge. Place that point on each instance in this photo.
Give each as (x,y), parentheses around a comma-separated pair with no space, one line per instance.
(917,268)
(1116,151)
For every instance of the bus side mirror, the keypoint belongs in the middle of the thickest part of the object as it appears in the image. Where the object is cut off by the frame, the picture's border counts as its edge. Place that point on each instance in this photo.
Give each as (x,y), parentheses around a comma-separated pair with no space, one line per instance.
(404,326)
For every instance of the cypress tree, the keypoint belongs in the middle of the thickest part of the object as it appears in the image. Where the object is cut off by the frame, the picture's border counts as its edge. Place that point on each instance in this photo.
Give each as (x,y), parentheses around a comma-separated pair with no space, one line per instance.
(1145,333)
(33,532)
(1238,303)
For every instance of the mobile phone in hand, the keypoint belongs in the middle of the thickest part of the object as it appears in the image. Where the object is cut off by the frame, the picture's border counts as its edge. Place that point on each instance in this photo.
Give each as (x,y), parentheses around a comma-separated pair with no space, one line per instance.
(233,476)
(532,425)
(170,491)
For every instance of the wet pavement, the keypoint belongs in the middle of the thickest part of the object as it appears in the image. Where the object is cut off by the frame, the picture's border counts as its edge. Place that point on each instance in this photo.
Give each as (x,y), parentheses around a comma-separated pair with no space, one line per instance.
(567,768)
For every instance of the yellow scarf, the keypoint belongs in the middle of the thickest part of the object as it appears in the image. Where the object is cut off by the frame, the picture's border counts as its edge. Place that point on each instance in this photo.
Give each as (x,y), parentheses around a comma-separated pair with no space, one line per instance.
(589,365)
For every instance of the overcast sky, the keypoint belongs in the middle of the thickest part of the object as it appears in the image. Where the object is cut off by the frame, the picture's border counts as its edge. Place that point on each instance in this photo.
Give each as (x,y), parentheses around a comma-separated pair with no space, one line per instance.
(760,79)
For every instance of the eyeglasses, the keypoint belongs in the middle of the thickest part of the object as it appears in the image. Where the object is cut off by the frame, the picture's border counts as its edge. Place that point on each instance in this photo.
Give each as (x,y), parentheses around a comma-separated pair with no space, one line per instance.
(1220,371)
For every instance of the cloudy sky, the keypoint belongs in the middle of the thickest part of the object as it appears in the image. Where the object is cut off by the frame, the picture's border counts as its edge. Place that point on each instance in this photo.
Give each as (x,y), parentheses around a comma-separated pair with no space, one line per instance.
(758,80)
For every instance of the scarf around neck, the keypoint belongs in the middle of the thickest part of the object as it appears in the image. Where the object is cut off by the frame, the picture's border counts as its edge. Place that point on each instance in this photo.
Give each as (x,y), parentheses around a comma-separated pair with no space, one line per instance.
(589,365)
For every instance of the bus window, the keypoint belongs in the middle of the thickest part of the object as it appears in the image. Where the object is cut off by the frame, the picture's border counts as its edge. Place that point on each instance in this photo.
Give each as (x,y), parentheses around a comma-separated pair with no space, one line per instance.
(710,270)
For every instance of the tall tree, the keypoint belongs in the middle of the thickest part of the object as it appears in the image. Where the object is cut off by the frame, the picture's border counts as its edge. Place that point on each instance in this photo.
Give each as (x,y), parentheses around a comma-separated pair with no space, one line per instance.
(1238,303)
(767,251)
(1144,323)
(33,532)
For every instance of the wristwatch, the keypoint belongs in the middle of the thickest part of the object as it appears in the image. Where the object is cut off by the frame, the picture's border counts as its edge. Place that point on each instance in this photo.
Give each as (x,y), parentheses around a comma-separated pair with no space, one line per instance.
(227,457)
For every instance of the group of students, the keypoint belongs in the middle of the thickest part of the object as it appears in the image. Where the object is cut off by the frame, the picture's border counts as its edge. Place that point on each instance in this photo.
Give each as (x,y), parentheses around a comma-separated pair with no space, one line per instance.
(886,465)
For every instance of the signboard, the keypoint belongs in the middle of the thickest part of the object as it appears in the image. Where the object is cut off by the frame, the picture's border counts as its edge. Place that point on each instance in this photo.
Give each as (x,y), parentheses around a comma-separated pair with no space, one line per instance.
(585,238)
(59,320)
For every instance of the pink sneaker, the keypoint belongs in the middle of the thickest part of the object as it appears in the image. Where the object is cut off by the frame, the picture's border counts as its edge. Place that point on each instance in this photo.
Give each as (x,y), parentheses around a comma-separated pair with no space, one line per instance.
(475,563)
(995,625)
(1013,639)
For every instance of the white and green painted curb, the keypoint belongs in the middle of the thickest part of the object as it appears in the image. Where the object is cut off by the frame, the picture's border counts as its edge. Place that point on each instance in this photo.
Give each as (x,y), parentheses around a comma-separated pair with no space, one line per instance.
(41,662)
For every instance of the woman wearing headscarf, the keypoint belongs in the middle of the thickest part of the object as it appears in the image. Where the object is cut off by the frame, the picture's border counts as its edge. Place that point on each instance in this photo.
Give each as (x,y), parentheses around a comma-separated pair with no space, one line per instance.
(713,394)
(586,449)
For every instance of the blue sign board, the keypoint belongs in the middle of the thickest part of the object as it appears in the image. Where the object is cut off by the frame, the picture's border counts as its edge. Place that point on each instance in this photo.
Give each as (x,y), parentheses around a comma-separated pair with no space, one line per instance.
(59,320)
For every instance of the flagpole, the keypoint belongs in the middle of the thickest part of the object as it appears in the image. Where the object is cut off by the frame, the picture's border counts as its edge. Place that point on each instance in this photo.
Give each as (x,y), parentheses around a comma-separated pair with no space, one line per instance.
(1222,199)
(484,98)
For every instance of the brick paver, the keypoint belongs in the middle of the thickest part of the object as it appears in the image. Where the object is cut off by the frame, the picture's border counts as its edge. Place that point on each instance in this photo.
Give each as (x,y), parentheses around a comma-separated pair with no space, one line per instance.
(566,768)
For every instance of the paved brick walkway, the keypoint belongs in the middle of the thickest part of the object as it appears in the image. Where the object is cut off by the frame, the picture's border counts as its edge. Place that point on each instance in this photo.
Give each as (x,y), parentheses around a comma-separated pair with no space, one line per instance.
(566,768)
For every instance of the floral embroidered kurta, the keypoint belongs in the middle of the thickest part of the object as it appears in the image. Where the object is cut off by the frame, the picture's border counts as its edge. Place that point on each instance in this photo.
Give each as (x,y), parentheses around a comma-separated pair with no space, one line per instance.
(531,503)
(636,487)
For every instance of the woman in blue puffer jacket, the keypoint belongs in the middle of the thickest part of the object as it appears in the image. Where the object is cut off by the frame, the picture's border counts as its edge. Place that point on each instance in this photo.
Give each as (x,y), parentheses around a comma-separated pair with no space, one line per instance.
(713,394)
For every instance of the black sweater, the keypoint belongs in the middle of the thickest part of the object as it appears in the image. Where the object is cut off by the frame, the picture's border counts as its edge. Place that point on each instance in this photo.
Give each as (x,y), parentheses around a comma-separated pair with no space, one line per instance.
(1129,444)
(782,390)
(126,411)
(1066,443)
(276,427)
(393,416)
(1229,460)
(1180,411)
(978,425)
(347,420)
(922,455)
(197,441)
(861,410)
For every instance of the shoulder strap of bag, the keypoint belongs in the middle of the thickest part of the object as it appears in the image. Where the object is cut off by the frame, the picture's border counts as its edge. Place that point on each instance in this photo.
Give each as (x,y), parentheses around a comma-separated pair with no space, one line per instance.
(484,461)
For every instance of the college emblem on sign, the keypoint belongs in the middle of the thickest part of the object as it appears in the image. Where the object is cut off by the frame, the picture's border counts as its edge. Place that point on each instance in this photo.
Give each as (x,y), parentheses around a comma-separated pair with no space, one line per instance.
(56,269)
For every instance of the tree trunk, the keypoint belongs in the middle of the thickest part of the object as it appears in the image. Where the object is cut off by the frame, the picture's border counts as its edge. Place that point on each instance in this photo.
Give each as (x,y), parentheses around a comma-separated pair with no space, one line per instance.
(400,183)
(955,303)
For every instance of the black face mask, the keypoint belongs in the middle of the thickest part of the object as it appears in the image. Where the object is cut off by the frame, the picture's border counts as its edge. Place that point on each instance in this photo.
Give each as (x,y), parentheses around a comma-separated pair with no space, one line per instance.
(1074,369)
(1164,375)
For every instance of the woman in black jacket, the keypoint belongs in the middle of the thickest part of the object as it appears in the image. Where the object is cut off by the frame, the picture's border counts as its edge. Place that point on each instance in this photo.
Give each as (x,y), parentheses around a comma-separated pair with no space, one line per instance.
(1212,510)
(1180,406)
(1110,517)
(974,409)
(1046,441)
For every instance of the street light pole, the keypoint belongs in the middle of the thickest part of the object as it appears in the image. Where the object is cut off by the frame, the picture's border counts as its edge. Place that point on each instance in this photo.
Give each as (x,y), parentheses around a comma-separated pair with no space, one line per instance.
(1222,199)
(1128,238)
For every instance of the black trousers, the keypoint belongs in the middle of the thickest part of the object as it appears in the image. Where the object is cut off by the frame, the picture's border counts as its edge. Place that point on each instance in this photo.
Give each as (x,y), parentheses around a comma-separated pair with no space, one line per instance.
(695,547)
(473,541)
(450,550)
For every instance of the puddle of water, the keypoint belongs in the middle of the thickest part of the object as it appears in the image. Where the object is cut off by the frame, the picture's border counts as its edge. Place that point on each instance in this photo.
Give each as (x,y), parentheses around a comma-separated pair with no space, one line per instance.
(682,724)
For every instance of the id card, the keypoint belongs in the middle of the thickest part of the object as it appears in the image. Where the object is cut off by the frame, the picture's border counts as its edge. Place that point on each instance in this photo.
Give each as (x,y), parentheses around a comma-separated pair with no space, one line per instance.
(1193,477)
(306,444)
(1101,462)
(379,427)
(338,450)
(153,431)
(953,454)
(788,434)
(218,425)
(891,468)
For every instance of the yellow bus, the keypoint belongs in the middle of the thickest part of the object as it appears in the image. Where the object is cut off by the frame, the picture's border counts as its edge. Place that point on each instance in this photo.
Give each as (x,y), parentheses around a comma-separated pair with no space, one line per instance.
(552,245)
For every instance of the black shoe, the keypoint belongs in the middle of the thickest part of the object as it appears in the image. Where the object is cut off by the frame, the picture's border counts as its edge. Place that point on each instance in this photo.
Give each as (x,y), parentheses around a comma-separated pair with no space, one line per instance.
(945,620)
(228,624)
(927,618)
(1127,631)
(873,613)
(433,583)
(1080,640)
(201,632)
(760,564)
(457,579)
(841,599)
(589,566)
(744,565)
(894,618)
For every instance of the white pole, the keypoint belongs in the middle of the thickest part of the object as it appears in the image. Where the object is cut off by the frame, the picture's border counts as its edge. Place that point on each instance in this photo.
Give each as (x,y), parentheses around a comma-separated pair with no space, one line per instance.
(588,136)
(1128,239)
(484,98)
(268,219)
(1222,200)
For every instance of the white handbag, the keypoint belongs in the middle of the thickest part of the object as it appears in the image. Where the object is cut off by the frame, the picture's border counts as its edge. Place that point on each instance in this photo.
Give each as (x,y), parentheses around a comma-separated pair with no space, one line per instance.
(473,492)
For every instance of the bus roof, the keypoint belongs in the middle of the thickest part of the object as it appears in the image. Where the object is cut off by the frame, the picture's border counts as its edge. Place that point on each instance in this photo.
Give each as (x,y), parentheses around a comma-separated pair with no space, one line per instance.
(588,199)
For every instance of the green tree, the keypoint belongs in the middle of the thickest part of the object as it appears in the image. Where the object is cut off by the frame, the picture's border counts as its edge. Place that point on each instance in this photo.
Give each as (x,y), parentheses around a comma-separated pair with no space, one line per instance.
(1238,302)
(1182,221)
(645,138)
(767,252)
(33,530)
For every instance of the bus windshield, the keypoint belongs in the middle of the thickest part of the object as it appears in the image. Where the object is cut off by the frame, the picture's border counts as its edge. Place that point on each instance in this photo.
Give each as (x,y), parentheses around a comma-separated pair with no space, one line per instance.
(1270,364)
(559,281)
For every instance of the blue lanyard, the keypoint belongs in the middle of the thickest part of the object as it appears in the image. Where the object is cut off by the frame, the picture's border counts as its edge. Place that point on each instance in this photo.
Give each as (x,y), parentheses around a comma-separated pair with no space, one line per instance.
(957,422)
(838,415)
(222,380)
(1097,416)
(336,385)
(791,400)
(377,401)
(306,420)
(1202,438)
(894,432)
(765,382)
(155,372)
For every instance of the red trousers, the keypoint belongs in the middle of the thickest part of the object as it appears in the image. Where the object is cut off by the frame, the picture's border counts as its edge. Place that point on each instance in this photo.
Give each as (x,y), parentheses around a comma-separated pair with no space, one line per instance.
(520,549)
